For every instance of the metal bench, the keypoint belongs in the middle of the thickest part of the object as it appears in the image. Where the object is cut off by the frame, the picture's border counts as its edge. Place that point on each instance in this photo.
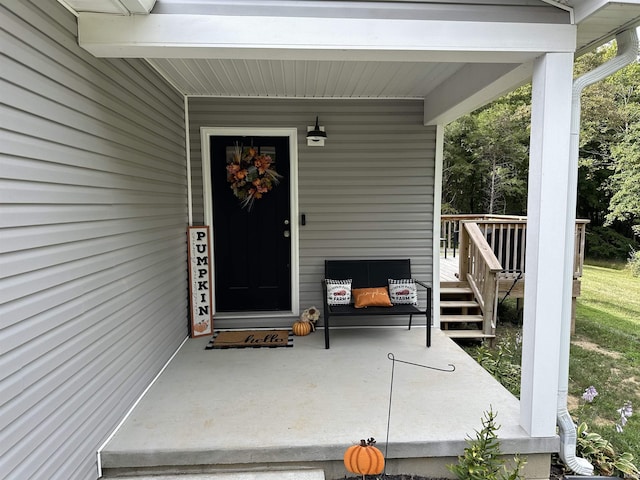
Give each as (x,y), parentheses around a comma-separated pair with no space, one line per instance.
(371,273)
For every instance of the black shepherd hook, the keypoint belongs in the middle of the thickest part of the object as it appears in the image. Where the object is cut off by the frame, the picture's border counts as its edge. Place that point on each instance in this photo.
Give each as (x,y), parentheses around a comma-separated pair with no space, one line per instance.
(391,357)
(452,369)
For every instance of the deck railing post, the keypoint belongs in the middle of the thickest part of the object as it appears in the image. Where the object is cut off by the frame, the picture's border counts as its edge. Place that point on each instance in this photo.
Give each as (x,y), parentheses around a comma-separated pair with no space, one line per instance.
(463,264)
(489,294)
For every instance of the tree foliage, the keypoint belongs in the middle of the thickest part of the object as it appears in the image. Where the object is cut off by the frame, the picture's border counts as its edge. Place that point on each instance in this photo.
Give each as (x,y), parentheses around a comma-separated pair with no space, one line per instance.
(486,158)
(486,152)
(608,133)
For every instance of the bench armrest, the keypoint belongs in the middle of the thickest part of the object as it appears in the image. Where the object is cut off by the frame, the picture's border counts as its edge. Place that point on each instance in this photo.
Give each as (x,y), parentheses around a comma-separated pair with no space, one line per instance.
(422,284)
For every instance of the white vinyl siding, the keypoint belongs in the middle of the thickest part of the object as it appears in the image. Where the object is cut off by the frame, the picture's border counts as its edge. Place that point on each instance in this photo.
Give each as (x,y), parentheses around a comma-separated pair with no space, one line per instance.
(93,195)
(368,193)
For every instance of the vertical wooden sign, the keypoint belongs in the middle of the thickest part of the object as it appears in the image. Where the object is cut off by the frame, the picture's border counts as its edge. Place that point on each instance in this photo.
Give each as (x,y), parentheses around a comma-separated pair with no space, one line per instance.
(199,245)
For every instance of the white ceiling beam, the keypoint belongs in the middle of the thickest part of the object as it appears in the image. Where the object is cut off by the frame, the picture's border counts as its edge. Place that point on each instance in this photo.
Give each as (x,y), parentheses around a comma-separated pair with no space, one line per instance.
(306,38)
(585,8)
(471,87)
(138,7)
(117,7)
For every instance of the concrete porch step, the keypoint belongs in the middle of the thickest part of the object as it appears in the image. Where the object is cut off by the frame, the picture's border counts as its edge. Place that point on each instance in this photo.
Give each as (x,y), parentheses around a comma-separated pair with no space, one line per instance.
(302,474)
(460,318)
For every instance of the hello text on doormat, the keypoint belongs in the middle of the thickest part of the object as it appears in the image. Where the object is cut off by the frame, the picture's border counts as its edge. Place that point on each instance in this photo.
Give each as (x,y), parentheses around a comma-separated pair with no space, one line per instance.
(251,339)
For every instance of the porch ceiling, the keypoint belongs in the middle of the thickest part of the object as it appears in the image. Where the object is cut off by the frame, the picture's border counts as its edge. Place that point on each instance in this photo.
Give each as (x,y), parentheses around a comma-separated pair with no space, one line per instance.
(456,55)
(304,78)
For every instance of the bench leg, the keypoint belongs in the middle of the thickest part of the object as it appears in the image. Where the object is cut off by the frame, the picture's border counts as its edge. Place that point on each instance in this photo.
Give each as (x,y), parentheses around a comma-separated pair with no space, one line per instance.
(326,331)
(410,318)
(429,317)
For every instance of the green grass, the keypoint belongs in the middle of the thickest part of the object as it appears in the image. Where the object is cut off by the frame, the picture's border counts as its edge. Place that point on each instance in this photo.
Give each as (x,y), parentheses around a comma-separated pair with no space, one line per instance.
(605,353)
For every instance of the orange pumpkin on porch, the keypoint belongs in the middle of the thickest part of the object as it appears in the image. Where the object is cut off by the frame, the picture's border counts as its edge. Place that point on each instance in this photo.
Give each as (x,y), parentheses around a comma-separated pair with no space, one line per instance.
(364,459)
(301,328)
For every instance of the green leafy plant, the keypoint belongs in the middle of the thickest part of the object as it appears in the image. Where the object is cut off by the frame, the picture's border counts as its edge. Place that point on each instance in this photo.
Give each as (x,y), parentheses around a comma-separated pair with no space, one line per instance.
(599,451)
(482,458)
(503,363)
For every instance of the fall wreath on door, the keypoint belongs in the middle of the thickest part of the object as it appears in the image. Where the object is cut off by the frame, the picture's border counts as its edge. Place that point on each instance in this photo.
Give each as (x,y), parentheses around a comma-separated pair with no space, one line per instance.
(251,175)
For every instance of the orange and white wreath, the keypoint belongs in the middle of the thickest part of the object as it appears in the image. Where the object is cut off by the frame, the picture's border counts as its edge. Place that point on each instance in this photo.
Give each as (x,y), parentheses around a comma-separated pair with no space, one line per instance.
(251,175)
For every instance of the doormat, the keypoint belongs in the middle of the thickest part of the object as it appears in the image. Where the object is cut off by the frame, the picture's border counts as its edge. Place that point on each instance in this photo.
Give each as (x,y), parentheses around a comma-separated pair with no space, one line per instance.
(251,339)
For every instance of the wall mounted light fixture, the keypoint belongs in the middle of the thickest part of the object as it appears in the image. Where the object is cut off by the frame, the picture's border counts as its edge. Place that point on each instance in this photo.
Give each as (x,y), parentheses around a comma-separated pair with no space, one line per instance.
(316,135)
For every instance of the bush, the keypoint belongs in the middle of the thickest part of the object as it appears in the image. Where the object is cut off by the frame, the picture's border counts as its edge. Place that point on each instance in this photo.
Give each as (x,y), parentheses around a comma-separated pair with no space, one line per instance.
(508,312)
(633,263)
(606,243)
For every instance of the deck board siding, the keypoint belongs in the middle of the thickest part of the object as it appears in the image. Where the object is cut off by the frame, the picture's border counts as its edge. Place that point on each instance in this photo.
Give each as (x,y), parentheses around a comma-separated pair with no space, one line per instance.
(93,282)
(367,193)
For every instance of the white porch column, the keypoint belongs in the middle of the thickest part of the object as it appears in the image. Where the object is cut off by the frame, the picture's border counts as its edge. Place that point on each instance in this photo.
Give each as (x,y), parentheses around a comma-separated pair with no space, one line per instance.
(437,213)
(547,213)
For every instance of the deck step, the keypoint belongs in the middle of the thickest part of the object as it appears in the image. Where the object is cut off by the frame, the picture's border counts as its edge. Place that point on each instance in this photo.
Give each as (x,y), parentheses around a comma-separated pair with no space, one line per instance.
(453,284)
(460,318)
(467,334)
(458,303)
(456,291)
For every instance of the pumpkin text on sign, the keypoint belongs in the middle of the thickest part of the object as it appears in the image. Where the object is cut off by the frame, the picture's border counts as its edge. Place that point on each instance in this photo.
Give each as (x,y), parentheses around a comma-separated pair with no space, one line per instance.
(200,281)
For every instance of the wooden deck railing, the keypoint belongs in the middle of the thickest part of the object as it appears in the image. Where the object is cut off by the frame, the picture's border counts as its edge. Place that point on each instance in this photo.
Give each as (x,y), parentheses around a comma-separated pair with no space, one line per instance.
(506,235)
(480,267)
(492,248)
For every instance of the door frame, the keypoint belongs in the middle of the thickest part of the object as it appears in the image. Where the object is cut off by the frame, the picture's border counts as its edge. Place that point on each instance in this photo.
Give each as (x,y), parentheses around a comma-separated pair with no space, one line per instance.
(207,191)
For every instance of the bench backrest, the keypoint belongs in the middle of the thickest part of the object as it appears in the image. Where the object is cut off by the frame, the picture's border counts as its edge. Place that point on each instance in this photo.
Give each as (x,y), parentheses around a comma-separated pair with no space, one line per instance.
(367,273)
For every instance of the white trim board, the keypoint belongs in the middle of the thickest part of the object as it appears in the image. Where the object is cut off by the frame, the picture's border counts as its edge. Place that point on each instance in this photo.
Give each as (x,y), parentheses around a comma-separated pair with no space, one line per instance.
(207,190)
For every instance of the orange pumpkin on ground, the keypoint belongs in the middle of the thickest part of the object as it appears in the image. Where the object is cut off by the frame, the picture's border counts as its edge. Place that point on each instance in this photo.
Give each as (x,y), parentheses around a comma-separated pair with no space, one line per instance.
(364,459)
(301,328)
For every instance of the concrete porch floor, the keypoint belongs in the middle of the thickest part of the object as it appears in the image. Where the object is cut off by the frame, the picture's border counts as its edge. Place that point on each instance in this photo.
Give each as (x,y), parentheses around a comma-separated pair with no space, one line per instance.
(301,407)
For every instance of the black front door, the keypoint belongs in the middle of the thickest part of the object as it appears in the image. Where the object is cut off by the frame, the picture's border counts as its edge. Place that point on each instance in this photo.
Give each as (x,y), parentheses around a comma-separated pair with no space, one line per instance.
(251,224)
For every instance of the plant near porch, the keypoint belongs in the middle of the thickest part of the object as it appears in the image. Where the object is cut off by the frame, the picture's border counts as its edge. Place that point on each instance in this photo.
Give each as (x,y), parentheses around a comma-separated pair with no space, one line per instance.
(603,456)
(482,458)
(503,361)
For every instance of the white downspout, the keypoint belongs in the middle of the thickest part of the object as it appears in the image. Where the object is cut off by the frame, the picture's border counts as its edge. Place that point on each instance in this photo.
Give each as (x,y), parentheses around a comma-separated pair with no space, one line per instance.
(627,53)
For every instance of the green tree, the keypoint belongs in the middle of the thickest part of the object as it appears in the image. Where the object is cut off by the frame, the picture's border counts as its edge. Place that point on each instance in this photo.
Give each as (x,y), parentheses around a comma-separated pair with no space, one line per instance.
(625,182)
(486,158)
(609,109)
(486,152)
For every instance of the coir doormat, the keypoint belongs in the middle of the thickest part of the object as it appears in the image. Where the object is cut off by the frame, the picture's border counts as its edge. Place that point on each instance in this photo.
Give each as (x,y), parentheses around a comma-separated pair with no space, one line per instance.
(251,339)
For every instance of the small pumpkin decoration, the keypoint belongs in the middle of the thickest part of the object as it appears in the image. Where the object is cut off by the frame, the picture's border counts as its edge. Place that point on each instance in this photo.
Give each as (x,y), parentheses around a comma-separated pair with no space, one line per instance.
(364,459)
(301,328)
